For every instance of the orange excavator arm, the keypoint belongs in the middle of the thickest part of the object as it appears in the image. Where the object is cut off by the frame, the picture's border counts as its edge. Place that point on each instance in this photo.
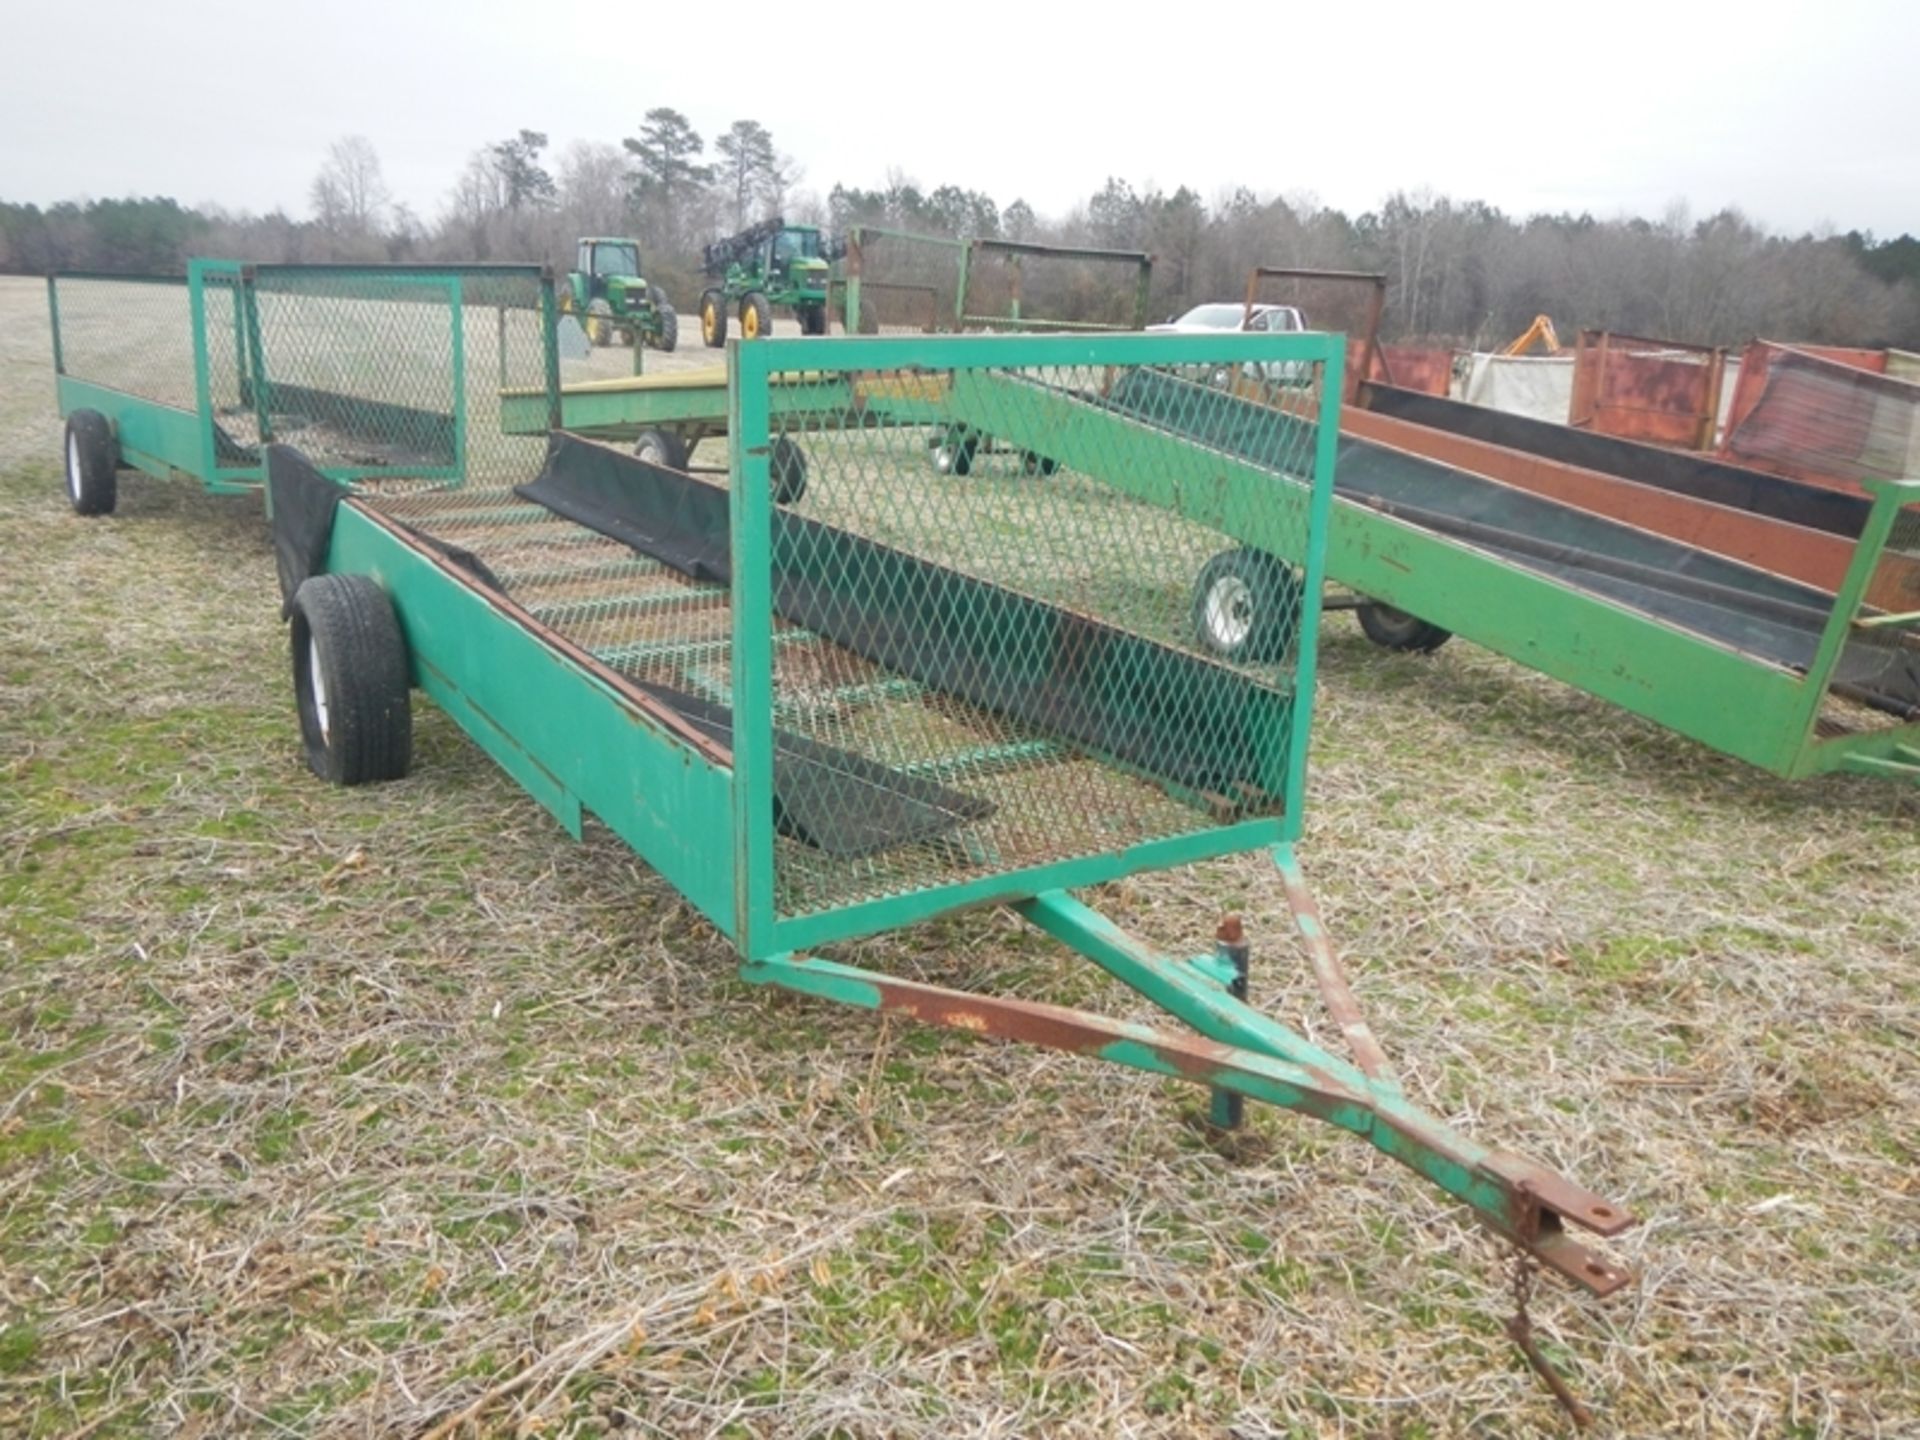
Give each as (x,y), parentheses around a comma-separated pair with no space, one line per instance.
(1542,330)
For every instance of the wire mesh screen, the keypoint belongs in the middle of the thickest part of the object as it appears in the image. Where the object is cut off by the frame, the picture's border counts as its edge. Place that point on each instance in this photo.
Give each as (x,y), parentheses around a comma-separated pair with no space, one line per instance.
(392,371)
(1010,623)
(134,335)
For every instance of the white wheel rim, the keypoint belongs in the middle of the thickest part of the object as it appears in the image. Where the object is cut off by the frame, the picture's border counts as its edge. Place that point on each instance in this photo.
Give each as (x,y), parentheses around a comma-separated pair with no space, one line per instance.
(943,460)
(1229,612)
(73,467)
(317,688)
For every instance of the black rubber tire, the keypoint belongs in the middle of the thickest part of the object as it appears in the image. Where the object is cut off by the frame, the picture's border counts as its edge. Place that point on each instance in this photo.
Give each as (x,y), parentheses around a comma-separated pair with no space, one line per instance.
(787,467)
(92,459)
(954,454)
(669,326)
(813,320)
(1246,606)
(713,319)
(598,323)
(1393,629)
(660,447)
(344,627)
(1042,465)
(755,302)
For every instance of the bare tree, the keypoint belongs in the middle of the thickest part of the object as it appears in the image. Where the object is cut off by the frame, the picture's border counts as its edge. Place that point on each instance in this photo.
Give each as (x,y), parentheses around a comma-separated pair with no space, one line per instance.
(349,194)
(747,159)
(593,188)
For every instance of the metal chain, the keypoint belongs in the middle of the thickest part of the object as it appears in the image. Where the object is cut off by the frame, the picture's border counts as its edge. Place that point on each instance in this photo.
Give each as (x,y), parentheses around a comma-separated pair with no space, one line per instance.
(1520,1331)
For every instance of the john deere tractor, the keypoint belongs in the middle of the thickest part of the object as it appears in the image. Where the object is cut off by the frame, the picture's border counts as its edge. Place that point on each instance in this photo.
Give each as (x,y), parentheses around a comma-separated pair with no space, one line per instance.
(773,263)
(614,300)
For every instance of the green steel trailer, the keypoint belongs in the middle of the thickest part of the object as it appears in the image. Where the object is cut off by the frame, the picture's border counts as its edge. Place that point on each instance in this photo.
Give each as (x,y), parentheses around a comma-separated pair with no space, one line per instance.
(827,710)
(369,370)
(1794,677)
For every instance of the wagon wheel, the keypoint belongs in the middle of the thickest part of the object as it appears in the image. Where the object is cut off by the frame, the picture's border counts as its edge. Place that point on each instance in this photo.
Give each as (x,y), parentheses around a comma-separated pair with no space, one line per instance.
(954,453)
(660,447)
(93,481)
(350,680)
(787,465)
(1393,629)
(713,319)
(1246,606)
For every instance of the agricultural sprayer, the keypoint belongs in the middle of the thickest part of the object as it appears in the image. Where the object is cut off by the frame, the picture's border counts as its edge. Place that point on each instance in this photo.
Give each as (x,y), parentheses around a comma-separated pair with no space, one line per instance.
(772,263)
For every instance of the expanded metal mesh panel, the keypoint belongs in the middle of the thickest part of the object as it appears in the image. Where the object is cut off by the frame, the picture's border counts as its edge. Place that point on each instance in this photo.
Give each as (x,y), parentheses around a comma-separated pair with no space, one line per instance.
(131,335)
(375,372)
(634,614)
(997,640)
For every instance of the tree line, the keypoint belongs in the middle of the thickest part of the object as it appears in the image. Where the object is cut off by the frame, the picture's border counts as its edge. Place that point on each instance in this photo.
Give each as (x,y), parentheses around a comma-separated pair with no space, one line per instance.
(1459,272)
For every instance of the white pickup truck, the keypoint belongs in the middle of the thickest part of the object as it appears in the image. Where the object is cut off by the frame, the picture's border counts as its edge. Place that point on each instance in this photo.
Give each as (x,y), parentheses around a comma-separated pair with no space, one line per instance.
(1216,316)
(1266,319)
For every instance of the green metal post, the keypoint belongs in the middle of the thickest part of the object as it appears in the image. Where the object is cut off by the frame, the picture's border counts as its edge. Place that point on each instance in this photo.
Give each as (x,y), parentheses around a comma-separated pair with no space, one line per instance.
(53,319)
(456,316)
(197,322)
(248,295)
(245,378)
(1319,516)
(1227,1109)
(550,347)
(750,503)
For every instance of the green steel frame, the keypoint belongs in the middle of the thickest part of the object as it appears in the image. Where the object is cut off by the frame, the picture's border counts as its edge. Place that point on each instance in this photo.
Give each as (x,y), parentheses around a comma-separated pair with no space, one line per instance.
(968,256)
(1736,703)
(582,739)
(181,434)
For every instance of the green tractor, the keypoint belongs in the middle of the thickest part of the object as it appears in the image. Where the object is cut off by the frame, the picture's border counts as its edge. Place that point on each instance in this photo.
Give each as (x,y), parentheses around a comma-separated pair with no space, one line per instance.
(614,300)
(773,263)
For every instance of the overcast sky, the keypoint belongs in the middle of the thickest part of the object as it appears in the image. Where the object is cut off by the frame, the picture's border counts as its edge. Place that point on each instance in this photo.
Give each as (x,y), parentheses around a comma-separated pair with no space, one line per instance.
(1801,114)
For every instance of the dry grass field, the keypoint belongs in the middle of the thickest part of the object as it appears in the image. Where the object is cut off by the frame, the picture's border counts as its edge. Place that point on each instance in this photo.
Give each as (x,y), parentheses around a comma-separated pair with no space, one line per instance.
(360,1113)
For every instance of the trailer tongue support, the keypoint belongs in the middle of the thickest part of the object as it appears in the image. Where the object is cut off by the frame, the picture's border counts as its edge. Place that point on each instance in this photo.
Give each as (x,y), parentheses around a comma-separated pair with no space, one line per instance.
(890,607)
(1241,1051)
